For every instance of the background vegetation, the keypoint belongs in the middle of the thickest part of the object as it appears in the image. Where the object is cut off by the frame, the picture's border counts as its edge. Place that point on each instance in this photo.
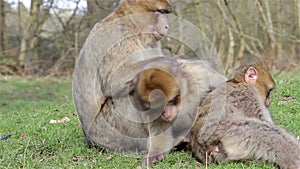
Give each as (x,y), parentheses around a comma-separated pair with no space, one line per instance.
(46,38)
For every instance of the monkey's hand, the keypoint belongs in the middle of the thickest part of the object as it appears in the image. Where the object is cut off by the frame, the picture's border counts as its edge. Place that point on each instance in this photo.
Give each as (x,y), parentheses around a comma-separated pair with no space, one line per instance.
(148,160)
(158,146)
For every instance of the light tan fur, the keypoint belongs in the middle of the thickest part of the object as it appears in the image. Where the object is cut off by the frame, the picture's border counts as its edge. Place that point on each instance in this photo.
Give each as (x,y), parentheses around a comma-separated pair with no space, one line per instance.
(112,57)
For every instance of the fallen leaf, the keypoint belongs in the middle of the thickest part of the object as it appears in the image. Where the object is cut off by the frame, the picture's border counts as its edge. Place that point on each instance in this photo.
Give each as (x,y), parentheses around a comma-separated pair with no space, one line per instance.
(183,165)
(109,158)
(22,137)
(287,99)
(63,120)
(81,158)
(38,155)
(139,167)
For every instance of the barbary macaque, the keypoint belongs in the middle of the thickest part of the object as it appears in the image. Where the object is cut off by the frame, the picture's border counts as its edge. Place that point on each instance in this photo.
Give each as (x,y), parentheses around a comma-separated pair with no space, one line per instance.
(234,124)
(108,84)
(109,48)
(157,93)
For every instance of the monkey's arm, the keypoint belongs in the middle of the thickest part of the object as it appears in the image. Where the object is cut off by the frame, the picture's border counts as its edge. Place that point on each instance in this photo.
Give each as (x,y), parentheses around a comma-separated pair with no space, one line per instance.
(120,83)
(165,136)
(158,146)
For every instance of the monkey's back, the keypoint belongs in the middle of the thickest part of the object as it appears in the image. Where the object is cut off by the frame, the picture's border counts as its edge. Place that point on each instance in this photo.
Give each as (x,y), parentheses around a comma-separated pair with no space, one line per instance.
(228,101)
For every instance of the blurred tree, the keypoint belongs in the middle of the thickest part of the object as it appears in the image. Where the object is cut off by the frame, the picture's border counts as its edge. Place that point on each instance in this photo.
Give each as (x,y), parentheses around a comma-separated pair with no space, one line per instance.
(2,27)
(98,9)
(47,37)
(28,37)
(28,59)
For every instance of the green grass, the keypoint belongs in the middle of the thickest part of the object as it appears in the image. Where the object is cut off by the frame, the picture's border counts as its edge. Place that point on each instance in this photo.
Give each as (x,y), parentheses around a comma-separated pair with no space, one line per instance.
(27,106)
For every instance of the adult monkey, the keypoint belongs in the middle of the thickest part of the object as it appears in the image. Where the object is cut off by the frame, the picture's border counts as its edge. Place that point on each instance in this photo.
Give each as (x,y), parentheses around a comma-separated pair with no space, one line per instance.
(130,28)
(101,88)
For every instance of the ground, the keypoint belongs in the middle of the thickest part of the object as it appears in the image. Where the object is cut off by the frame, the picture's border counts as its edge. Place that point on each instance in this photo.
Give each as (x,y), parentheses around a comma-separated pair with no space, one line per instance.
(27,105)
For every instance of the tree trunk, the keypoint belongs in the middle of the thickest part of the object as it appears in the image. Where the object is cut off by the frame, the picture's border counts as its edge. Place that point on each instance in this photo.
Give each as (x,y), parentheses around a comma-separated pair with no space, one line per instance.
(298,17)
(98,9)
(230,56)
(2,27)
(29,40)
(267,19)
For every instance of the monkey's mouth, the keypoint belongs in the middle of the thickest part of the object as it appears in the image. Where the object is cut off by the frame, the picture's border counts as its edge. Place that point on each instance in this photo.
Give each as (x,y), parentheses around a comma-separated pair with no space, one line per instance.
(158,36)
(268,102)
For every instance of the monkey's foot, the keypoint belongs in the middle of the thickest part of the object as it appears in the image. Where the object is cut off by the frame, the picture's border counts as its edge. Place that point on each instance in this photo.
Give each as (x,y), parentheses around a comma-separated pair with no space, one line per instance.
(148,160)
(217,154)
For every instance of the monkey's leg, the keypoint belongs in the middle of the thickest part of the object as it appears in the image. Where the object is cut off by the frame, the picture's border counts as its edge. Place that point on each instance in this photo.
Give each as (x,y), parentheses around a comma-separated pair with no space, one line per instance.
(209,152)
(251,139)
(158,147)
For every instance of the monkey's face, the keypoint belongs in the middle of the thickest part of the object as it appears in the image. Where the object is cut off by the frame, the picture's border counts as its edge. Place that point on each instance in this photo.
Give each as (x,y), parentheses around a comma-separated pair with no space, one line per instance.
(158,91)
(265,84)
(154,25)
(161,27)
(257,76)
(153,20)
(152,79)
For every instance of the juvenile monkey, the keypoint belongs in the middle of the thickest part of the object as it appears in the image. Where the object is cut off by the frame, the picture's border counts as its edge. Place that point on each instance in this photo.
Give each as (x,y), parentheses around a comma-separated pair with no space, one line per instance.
(233,123)
(157,79)
(157,91)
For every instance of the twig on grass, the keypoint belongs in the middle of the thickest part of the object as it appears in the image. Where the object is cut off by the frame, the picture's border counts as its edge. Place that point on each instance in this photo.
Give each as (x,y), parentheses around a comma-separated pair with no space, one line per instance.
(24,155)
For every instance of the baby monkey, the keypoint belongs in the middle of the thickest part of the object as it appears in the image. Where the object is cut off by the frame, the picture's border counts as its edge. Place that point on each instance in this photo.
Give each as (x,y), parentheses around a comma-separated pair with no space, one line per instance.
(158,88)
(157,95)
(234,124)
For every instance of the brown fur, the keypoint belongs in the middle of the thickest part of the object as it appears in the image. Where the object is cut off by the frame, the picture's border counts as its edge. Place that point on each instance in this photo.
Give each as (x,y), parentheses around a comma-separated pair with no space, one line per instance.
(157,79)
(233,124)
(167,94)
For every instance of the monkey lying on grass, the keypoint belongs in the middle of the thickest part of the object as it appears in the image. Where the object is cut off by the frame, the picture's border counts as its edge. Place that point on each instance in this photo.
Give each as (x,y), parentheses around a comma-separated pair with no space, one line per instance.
(234,124)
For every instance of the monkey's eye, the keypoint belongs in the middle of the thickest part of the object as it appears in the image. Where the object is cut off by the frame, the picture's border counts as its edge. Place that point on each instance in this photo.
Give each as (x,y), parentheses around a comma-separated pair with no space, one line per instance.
(163,11)
(175,99)
(147,105)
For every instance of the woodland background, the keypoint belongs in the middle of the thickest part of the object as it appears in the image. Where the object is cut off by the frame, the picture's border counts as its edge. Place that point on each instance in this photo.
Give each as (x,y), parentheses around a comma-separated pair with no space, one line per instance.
(46,38)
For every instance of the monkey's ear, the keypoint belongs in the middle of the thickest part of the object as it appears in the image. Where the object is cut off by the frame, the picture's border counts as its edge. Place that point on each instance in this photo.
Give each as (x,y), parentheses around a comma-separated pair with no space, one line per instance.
(132,83)
(251,75)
